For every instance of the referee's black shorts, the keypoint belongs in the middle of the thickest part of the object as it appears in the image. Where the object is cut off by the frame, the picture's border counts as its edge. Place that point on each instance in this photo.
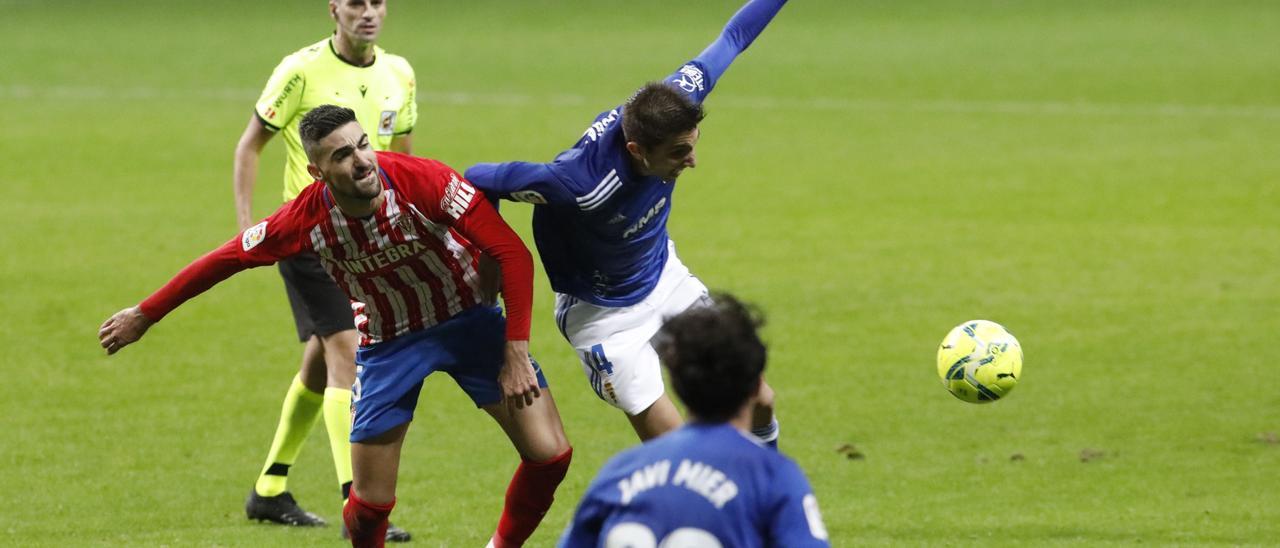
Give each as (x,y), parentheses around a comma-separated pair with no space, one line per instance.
(319,306)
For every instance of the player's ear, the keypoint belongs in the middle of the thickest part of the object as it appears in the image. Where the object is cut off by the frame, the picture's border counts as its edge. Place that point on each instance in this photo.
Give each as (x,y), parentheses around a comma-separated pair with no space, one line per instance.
(315,172)
(333,10)
(637,152)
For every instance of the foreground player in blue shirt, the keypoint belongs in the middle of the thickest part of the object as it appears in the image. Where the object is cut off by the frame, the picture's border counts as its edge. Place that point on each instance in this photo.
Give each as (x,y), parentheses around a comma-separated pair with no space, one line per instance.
(600,223)
(707,483)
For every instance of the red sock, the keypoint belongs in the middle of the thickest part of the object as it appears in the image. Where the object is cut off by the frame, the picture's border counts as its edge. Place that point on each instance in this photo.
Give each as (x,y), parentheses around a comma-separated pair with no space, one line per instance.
(529,497)
(366,522)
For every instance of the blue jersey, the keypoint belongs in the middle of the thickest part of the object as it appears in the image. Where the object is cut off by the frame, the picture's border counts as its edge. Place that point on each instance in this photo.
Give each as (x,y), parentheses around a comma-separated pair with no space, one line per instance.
(702,482)
(600,227)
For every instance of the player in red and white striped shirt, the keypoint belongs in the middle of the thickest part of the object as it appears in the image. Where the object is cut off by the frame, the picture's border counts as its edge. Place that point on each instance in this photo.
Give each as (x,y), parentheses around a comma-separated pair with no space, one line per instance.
(405,236)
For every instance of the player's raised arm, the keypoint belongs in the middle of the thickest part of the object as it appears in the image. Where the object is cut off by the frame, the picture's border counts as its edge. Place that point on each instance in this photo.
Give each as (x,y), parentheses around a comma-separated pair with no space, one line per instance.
(259,245)
(699,76)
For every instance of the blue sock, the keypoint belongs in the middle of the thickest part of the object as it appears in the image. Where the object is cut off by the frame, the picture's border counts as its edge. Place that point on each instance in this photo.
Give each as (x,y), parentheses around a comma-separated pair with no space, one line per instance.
(768,434)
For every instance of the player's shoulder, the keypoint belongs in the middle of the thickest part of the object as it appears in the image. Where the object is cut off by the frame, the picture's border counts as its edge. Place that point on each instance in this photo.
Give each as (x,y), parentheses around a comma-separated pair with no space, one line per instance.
(309,201)
(396,63)
(304,57)
(413,171)
(595,161)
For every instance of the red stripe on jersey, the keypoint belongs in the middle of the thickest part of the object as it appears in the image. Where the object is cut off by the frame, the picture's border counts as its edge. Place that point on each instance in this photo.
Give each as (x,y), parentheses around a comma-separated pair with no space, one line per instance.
(445,256)
(455,265)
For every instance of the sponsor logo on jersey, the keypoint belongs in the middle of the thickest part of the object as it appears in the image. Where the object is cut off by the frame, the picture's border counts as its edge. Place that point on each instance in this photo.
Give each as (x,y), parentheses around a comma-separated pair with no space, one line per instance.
(597,128)
(253,236)
(457,196)
(381,259)
(529,197)
(387,124)
(644,220)
(363,90)
(691,79)
(287,91)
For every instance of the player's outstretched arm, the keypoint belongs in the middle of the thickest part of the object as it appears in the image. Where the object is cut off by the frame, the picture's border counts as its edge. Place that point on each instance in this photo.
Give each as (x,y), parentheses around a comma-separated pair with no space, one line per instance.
(256,246)
(738,34)
(520,181)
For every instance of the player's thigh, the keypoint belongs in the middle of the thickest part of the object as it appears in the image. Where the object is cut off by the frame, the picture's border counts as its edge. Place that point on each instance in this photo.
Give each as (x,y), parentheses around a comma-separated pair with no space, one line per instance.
(319,306)
(623,369)
(389,378)
(535,430)
(688,292)
(340,357)
(477,341)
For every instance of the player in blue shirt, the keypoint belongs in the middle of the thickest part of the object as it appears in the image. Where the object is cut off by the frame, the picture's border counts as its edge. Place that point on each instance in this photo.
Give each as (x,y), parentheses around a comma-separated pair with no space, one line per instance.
(705,484)
(600,224)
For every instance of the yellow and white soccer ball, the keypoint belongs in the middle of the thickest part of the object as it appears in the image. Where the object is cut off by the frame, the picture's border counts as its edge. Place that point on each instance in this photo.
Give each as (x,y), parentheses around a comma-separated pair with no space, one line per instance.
(980,361)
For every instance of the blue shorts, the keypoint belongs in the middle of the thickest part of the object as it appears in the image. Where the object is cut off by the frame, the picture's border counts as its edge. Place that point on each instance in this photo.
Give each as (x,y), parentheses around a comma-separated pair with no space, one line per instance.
(389,375)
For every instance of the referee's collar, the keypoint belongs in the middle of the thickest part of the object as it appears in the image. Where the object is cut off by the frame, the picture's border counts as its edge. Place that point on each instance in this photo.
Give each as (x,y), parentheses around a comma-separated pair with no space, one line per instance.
(335,53)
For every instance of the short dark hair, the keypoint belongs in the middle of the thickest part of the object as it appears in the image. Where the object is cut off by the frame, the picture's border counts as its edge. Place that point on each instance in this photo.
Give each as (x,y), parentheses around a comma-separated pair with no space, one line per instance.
(715,356)
(658,113)
(320,122)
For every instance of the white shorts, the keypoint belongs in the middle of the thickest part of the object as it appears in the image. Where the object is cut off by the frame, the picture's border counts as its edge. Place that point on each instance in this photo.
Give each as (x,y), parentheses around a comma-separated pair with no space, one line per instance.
(614,342)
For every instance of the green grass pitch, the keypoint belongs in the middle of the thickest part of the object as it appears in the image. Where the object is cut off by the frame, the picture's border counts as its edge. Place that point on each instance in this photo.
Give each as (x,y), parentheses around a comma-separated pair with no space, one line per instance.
(1103,178)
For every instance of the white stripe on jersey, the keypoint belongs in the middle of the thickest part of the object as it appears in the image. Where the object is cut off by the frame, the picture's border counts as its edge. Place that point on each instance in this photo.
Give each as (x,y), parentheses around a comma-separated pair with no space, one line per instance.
(410,278)
(469,274)
(603,191)
(452,300)
(350,248)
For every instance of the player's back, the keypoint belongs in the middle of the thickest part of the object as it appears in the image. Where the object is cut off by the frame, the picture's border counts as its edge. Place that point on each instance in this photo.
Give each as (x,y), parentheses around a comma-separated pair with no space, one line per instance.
(708,483)
(609,244)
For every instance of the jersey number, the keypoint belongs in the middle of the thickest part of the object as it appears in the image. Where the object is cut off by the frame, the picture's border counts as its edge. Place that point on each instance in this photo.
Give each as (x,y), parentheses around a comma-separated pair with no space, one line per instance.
(637,535)
(599,361)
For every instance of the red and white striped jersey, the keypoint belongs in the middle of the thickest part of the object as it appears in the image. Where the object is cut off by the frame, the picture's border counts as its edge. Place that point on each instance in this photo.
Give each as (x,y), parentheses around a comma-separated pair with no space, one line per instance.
(409,262)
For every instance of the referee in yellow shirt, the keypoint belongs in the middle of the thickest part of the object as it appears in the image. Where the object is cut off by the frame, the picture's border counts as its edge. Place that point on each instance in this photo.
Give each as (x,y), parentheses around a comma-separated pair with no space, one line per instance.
(345,69)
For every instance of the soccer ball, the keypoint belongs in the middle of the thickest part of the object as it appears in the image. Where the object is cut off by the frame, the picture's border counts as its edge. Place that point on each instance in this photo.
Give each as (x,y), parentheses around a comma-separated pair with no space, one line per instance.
(979,361)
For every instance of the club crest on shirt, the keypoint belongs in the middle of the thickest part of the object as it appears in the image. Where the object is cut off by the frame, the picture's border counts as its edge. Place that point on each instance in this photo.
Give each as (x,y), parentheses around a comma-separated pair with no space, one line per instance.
(253,236)
(691,79)
(387,124)
(404,224)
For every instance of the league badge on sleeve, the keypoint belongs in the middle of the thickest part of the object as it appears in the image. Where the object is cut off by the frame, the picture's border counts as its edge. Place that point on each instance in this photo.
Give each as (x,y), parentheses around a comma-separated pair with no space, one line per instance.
(253,236)
(529,197)
(691,79)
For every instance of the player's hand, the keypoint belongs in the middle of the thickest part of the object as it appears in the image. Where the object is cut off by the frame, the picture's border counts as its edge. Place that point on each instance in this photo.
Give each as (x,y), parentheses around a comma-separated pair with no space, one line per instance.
(518,380)
(122,329)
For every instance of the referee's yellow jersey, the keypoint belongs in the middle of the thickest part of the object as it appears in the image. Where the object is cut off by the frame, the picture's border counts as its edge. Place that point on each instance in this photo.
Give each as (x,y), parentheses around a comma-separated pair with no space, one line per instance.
(381,94)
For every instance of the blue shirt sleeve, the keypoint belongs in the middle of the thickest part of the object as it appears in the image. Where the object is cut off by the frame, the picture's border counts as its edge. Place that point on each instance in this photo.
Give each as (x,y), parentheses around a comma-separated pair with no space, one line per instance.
(794,519)
(520,182)
(699,76)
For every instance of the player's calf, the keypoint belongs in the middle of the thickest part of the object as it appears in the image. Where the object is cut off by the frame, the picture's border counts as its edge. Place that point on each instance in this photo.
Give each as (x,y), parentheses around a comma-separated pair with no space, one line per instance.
(529,496)
(366,522)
